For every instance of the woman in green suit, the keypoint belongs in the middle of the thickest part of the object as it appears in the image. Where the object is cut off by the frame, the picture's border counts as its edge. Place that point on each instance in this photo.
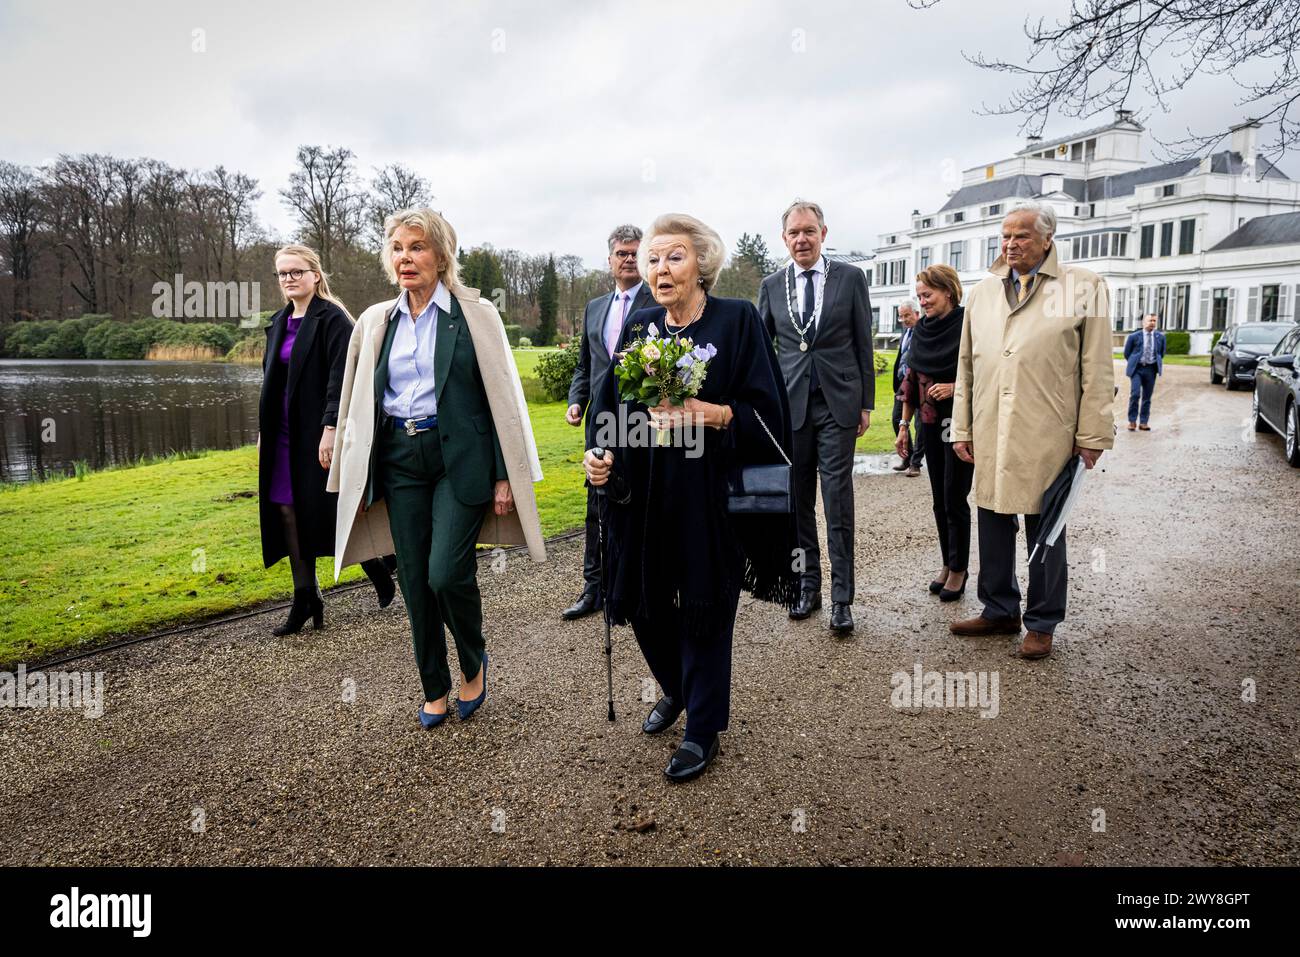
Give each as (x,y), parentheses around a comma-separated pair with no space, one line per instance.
(444,389)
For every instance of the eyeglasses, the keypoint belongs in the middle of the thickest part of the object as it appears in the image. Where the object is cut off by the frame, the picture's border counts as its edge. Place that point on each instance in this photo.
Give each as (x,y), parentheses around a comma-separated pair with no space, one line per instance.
(625,254)
(291,275)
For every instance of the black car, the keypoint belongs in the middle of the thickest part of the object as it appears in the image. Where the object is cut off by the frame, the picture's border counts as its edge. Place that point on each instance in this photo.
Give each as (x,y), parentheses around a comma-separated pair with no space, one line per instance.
(1276,404)
(1235,354)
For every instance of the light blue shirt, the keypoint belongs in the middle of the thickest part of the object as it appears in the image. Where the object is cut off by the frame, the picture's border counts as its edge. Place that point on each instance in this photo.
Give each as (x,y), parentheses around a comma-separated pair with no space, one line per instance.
(410,390)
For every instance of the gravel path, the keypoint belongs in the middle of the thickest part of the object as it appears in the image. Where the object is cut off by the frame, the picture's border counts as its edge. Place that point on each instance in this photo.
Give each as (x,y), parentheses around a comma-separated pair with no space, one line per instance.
(1184,586)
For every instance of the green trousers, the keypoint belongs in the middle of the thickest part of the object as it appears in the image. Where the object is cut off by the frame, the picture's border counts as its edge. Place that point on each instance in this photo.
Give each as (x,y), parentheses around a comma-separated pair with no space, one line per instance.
(437,568)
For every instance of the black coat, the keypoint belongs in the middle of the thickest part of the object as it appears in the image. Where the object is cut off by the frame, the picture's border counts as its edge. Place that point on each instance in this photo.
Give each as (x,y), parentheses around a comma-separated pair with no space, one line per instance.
(674,542)
(314,380)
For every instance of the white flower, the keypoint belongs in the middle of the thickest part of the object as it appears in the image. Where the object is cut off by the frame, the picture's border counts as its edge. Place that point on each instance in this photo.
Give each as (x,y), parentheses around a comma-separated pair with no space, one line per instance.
(651,351)
(652,330)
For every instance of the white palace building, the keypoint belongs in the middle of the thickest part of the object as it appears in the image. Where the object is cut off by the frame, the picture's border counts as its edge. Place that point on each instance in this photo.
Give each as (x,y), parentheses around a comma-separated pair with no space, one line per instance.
(1203,243)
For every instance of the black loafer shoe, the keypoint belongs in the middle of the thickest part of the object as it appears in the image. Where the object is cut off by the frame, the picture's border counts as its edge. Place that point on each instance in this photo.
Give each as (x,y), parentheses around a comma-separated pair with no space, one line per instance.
(588,604)
(662,715)
(841,618)
(809,602)
(690,760)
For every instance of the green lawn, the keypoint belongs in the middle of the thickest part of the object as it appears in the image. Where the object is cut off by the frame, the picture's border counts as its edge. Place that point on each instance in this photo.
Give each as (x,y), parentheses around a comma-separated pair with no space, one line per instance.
(133,549)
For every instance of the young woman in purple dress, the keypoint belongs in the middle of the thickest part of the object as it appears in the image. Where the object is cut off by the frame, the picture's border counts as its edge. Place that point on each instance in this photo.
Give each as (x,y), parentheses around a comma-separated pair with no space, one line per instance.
(302,376)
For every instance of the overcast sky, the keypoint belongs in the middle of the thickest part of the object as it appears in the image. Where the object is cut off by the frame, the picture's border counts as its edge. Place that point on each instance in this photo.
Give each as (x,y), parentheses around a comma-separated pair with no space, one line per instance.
(542,125)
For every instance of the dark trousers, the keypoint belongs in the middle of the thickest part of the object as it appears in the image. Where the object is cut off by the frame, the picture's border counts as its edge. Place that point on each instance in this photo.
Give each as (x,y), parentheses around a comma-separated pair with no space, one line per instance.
(950,480)
(826,447)
(692,669)
(998,589)
(915,437)
(591,554)
(1141,386)
(437,569)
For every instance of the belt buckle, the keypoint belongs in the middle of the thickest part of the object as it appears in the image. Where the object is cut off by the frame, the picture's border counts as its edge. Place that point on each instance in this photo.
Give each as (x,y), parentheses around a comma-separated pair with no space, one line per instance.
(410,426)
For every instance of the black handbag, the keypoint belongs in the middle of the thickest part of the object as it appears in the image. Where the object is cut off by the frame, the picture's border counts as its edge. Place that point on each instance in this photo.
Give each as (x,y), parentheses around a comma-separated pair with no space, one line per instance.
(762,489)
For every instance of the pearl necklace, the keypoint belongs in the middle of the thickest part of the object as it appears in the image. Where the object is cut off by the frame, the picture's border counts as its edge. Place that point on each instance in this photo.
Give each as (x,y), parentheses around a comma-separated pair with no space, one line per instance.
(790,302)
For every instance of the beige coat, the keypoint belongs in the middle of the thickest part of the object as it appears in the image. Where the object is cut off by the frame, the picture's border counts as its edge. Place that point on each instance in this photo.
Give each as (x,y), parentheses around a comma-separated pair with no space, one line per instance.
(363,533)
(1033,381)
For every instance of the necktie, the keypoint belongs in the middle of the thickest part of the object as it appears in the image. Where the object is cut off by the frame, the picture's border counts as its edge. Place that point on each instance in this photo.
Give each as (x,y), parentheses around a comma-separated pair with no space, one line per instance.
(809,302)
(614,330)
(1025,283)
(1147,357)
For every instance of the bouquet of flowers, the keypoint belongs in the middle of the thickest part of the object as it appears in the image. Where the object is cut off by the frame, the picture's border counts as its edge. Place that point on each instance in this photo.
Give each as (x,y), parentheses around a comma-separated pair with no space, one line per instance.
(656,370)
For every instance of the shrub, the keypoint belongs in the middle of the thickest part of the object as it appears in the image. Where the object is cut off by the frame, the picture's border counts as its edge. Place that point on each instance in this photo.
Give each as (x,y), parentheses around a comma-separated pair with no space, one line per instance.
(1214,339)
(26,339)
(126,341)
(67,341)
(555,369)
(1178,343)
(881,363)
(525,342)
(248,350)
(513,333)
(95,341)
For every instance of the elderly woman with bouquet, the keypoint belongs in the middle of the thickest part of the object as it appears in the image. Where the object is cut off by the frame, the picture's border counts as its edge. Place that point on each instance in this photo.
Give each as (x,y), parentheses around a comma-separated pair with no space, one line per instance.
(676,555)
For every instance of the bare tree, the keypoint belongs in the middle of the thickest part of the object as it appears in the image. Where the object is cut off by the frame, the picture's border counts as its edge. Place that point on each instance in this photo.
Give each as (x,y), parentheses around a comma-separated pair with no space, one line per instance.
(234,196)
(164,197)
(1098,56)
(394,187)
(20,220)
(323,193)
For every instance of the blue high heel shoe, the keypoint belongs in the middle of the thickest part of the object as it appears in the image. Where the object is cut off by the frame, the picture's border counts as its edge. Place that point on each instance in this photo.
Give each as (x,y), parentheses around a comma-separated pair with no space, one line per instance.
(467,708)
(431,720)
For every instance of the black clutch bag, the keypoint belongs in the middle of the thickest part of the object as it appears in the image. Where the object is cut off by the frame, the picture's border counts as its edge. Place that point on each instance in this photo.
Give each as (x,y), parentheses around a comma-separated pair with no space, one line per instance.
(762,489)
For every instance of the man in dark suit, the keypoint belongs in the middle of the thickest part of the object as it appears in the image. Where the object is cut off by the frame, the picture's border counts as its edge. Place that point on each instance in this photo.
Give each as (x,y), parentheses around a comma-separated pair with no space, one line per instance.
(819,314)
(602,324)
(1145,351)
(907,318)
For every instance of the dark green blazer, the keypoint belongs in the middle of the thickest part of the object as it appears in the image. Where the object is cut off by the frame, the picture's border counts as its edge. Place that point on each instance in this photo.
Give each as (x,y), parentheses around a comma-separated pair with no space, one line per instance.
(470,447)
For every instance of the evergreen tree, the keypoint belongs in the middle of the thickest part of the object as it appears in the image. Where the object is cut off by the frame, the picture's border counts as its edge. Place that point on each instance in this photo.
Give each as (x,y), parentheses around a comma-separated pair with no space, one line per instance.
(548,303)
(753,250)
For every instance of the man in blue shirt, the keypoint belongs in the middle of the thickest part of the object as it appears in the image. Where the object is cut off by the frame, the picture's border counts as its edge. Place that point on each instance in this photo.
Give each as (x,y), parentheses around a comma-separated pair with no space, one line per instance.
(1145,351)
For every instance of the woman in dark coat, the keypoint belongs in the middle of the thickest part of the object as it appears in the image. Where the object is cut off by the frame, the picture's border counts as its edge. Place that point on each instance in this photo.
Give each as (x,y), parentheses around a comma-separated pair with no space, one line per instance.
(302,375)
(675,559)
(927,391)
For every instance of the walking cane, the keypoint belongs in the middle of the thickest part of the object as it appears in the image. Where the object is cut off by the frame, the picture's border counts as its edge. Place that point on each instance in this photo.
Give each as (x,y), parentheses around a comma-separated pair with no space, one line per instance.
(604,583)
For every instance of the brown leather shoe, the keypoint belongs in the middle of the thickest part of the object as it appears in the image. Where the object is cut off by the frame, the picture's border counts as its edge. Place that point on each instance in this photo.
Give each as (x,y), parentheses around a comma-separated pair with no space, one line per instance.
(1036,645)
(1132,426)
(979,626)
(913,471)
(1145,428)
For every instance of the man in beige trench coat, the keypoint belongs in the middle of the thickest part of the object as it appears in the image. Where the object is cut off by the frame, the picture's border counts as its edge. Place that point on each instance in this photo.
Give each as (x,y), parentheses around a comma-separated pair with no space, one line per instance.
(1035,386)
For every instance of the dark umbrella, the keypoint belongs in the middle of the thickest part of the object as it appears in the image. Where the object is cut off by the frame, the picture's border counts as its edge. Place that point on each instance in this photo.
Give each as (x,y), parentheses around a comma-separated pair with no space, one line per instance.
(1058,501)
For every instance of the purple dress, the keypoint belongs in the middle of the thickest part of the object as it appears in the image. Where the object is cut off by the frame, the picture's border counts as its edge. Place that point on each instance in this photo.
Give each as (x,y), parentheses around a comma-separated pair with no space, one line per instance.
(281,482)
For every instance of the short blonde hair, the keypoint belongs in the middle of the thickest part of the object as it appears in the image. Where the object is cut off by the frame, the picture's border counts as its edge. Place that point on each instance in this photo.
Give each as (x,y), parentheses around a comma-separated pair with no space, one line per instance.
(710,251)
(943,278)
(436,229)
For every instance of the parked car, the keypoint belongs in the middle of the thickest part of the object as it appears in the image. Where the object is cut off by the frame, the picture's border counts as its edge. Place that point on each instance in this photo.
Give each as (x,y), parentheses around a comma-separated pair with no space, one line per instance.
(1234,356)
(1276,404)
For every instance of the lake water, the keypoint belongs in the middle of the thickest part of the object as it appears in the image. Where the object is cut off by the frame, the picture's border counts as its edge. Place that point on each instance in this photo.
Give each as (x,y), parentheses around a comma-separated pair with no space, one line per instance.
(54,413)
